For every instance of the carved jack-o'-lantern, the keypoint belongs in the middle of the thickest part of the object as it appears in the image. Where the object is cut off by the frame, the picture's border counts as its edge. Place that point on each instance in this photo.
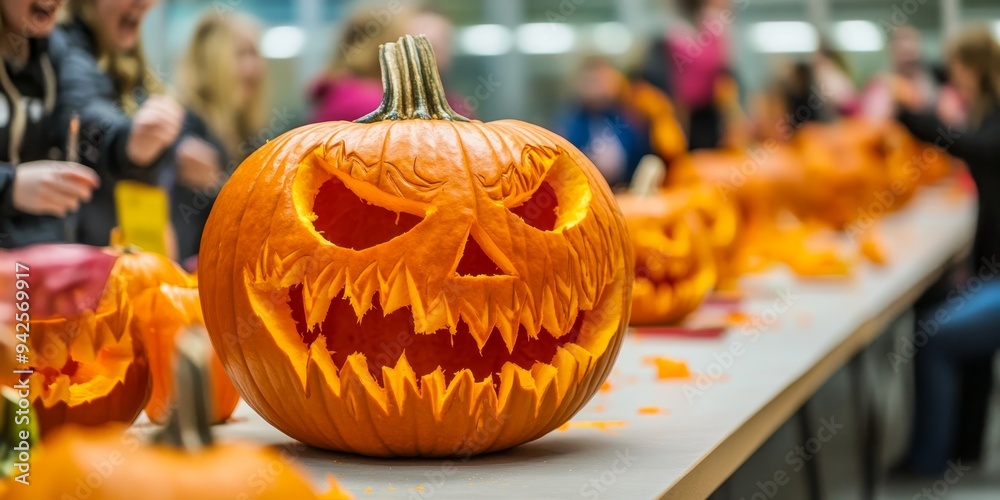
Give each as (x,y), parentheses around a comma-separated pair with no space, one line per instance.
(843,170)
(675,266)
(415,283)
(89,370)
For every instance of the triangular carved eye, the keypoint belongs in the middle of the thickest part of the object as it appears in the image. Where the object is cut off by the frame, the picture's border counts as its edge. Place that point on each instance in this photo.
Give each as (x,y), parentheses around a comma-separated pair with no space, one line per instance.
(539,211)
(345,220)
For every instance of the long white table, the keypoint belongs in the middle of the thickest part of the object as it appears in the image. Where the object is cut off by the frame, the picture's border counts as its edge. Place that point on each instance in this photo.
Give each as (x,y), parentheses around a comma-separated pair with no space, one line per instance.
(703,433)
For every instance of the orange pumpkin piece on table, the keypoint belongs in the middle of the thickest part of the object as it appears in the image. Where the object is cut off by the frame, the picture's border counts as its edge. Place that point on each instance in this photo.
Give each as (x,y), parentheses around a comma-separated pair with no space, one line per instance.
(181,463)
(416,283)
(161,314)
(674,262)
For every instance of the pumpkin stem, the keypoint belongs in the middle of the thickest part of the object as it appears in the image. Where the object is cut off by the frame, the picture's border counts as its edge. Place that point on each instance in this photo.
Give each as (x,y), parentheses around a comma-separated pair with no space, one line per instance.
(11,429)
(412,84)
(189,424)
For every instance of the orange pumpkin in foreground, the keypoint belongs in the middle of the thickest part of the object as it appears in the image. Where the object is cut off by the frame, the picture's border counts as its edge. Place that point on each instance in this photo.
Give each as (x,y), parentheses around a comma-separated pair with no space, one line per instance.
(415,283)
(182,463)
(675,266)
(161,315)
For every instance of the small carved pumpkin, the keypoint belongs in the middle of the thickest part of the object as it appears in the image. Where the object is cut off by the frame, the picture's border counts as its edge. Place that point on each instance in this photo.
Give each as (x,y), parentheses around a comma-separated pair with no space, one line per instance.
(843,170)
(89,370)
(674,264)
(182,463)
(161,314)
(415,283)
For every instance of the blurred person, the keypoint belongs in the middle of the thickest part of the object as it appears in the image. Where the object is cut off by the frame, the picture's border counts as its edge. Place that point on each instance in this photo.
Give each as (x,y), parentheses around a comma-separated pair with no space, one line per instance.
(954,368)
(831,75)
(351,87)
(906,62)
(693,55)
(220,80)
(36,190)
(129,130)
(432,22)
(597,123)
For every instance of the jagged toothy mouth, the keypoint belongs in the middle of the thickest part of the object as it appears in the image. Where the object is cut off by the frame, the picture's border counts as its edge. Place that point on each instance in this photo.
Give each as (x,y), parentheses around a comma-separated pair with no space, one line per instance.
(81,368)
(383,340)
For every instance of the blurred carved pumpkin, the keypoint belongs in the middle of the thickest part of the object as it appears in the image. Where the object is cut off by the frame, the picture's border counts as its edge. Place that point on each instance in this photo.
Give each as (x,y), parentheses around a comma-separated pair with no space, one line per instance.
(161,314)
(762,182)
(415,283)
(114,463)
(674,264)
(843,170)
(720,218)
(88,368)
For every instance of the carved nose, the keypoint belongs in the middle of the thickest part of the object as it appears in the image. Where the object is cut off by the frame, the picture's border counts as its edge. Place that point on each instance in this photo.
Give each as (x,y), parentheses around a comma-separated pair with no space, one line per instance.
(477,261)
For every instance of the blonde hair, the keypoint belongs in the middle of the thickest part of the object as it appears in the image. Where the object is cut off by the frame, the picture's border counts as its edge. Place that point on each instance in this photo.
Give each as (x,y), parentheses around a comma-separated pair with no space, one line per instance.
(205,78)
(976,49)
(128,70)
(368,26)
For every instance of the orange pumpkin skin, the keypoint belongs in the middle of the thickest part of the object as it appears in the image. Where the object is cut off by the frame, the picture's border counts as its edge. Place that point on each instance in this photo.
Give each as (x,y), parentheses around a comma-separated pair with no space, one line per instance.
(145,270)
(88,369)
(111,464)
(666,136)
(675,266)
(721,219)
(416,287)
(161,315)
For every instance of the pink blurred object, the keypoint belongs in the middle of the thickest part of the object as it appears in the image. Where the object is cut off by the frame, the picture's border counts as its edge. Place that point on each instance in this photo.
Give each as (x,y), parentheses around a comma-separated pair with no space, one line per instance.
(190,264)
(697,58)
(344,99)
(64,280)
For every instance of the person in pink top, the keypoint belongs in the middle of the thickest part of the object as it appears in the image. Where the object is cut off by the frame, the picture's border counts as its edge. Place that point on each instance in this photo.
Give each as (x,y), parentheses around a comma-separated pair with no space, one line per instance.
(693,56)
(351,87)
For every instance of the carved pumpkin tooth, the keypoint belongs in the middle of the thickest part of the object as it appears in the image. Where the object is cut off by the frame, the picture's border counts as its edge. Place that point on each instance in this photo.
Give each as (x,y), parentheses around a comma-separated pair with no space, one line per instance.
(392,291)
(509,333)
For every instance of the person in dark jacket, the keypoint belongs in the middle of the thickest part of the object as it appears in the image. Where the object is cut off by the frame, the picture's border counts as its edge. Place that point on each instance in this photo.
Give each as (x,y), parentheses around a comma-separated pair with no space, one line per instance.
(37,190)
(127,130)
(954,367)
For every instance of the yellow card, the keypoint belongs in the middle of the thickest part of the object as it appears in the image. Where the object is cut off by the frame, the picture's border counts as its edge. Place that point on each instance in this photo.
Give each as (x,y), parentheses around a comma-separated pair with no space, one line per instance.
(143,216)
